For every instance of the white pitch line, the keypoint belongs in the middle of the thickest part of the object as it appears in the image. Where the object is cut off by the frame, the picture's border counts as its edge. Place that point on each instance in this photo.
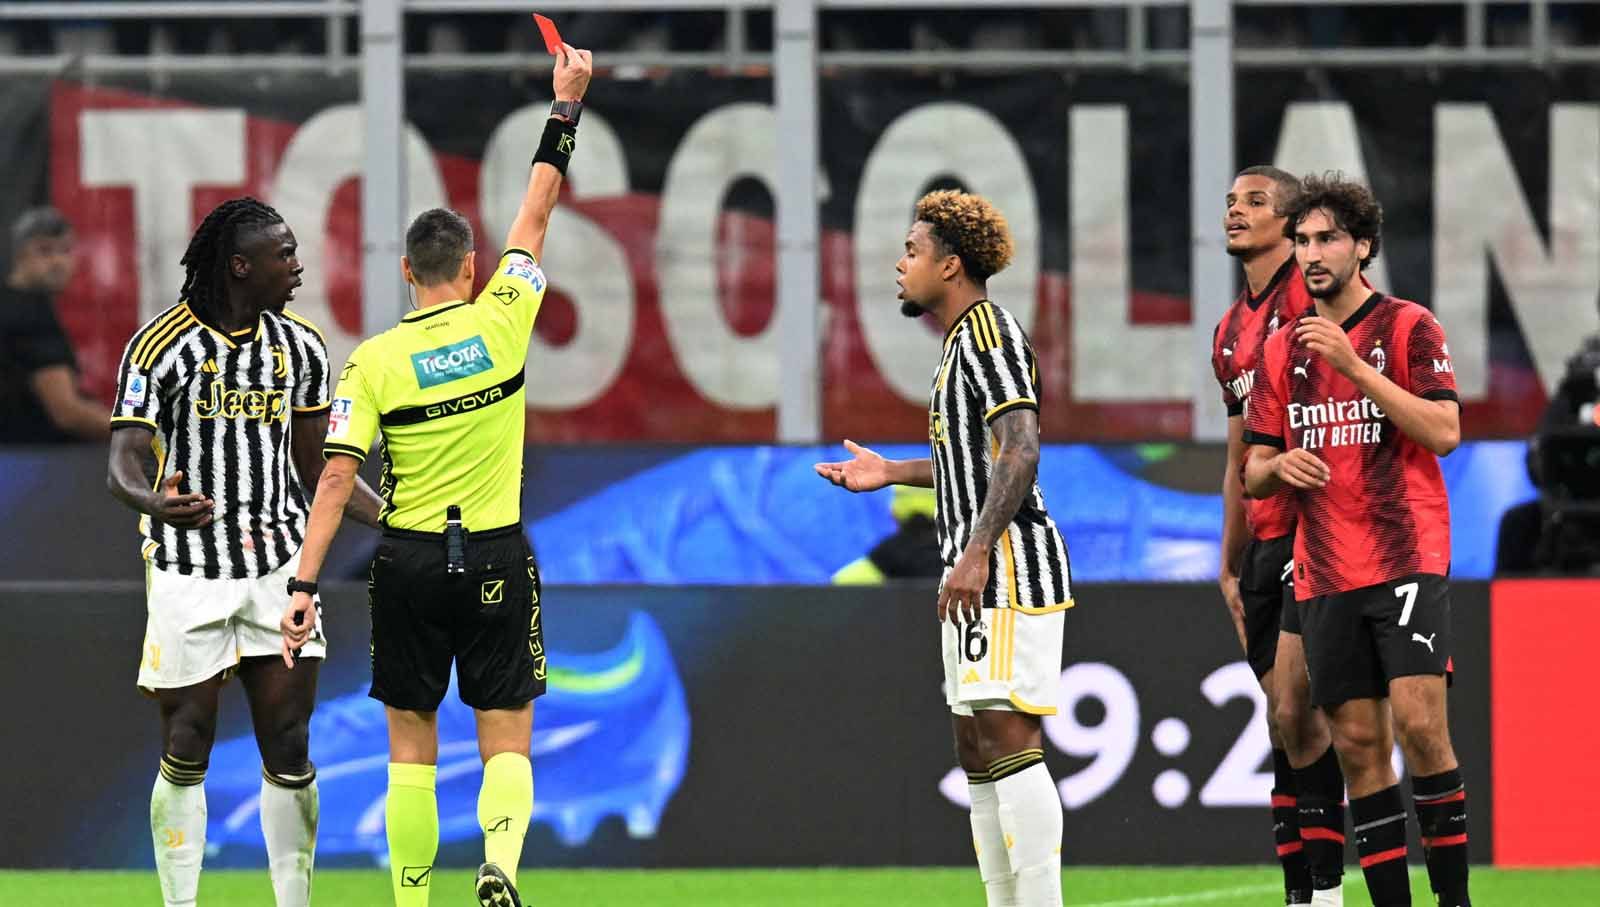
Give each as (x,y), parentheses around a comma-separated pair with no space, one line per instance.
(1197,897)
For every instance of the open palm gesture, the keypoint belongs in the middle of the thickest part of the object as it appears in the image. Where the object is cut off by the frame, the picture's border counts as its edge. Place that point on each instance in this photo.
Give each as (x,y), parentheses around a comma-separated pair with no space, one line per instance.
(867,472)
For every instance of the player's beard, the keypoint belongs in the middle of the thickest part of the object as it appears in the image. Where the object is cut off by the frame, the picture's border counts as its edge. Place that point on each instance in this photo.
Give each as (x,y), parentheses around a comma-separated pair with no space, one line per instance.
(1332,289)
(911,309)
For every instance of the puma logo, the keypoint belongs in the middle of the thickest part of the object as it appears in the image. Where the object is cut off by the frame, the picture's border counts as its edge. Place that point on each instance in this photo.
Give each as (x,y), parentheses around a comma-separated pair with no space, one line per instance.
(1301,370)
(1425,640)
(1226,351)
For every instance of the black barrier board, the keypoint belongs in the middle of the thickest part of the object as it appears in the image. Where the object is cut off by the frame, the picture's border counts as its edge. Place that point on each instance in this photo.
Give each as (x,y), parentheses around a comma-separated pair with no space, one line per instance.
(691,726)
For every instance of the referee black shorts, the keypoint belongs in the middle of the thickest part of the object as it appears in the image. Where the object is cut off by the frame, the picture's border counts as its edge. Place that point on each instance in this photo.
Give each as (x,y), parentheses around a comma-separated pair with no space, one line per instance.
(486,620)
(1266,585)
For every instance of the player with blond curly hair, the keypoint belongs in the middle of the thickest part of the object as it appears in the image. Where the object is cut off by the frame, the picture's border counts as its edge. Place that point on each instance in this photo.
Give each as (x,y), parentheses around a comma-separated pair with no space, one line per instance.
(1007,583)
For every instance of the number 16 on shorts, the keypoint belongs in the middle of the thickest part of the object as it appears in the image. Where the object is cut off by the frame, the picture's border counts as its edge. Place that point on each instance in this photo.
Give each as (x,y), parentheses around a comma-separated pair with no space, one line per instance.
(1010,655)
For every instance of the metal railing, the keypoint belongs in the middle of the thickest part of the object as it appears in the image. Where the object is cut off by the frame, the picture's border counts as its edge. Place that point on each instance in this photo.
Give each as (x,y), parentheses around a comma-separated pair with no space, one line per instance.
(1134,53)
(334,14)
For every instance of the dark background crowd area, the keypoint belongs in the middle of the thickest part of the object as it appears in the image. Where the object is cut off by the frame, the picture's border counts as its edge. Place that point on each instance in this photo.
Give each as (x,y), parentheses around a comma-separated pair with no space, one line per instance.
(1309,26)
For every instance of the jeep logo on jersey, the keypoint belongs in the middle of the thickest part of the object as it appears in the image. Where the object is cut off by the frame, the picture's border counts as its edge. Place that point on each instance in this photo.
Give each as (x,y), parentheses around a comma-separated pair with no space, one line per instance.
(447,363)
(254,404)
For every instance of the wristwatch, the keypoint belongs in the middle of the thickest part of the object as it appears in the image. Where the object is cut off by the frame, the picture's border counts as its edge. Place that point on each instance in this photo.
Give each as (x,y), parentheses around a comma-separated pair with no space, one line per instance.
(298,585)
(569,109)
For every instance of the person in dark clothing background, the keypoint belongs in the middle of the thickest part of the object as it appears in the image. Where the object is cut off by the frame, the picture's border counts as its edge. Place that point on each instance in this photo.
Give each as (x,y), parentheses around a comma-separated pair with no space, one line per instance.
(910,552)
(39,398)
(1525,543)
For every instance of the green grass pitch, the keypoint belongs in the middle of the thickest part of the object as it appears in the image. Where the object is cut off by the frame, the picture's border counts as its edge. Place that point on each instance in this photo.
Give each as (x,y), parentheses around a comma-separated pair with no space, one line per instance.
(1099,887)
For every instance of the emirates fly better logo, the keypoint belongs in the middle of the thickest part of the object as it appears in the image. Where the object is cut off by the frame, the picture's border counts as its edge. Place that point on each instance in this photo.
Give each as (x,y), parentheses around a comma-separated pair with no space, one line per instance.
(447,363)
(1337,423)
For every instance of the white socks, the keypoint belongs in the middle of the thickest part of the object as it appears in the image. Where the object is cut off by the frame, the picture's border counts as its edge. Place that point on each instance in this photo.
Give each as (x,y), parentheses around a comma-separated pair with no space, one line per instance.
(1328,897)
(994,863)
(289,811)
(1030,817)
(178,830)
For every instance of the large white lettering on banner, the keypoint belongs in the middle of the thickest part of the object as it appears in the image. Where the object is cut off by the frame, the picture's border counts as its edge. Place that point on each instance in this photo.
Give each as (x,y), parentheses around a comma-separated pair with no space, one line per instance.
(1481,214)
(1318,136)
(163,155)
(588,266)
(725,145)
(1105,341)
(922,145)
(325,152)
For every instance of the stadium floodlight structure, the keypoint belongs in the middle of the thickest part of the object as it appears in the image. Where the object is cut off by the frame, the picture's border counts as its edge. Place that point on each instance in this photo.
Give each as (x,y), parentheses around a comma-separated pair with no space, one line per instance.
(795,63)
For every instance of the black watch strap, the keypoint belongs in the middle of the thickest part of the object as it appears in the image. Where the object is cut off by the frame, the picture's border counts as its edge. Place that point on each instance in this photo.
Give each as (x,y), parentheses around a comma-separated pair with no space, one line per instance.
(298,585)
(569,109)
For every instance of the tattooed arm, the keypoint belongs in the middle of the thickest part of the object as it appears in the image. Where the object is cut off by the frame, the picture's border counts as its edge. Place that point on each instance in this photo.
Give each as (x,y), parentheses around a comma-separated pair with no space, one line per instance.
(1011,477)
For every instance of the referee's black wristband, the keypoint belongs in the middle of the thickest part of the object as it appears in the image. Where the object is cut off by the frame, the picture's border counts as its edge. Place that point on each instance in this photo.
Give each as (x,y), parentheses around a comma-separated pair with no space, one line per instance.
(556,145)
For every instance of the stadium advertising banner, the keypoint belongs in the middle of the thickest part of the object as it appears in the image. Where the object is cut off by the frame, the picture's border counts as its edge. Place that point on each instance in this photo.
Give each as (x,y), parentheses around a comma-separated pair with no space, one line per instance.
(755,515)
(661,325)
(710,726)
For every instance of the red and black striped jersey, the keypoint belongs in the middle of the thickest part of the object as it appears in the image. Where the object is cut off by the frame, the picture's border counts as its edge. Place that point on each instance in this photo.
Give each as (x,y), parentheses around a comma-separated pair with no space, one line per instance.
(1384,512)
(1236,349)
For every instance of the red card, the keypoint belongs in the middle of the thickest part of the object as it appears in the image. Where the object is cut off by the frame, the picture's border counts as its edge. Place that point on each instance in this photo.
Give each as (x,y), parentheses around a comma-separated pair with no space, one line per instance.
(552,38)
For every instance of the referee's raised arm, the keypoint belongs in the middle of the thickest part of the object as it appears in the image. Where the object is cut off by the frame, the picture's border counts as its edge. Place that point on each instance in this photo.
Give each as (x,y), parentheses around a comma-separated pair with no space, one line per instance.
(573,70)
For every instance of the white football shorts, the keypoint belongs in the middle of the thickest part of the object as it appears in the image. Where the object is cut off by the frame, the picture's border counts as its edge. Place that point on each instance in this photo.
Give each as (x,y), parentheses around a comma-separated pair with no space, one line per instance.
(197,628)
(1010,660)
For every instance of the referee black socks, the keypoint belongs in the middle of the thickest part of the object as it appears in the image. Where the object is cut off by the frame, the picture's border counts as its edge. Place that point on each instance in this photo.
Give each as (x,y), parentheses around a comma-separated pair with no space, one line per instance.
(1320,807)
(1441,802)
(1380,827)
(1286,827)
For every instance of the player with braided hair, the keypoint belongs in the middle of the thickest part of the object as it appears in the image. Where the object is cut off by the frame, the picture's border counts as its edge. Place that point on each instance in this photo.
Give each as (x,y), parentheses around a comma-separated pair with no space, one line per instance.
(214,242)
(218,395)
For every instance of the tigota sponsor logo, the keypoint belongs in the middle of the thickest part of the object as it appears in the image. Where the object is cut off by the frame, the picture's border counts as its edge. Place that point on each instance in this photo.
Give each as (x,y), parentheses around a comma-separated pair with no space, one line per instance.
(448,363)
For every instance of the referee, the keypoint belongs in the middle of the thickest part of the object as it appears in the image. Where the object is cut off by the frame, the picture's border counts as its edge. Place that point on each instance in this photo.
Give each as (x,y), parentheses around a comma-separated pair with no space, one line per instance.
(453,577)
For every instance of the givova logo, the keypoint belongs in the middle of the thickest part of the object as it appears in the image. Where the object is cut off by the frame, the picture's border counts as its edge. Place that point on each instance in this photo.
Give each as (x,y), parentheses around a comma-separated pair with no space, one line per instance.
(447,363)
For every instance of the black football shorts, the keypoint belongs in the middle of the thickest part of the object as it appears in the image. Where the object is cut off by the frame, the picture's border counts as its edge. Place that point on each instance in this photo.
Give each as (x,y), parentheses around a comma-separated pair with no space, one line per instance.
(1266,584)
(486,620)
(1358,641)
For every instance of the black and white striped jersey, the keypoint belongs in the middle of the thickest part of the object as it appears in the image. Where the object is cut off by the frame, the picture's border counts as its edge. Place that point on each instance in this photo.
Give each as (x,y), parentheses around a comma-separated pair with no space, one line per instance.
(221,408)
(989,369)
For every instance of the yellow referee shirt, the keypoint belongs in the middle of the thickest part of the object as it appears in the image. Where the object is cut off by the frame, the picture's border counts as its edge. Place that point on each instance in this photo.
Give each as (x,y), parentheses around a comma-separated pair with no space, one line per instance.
(444,389)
